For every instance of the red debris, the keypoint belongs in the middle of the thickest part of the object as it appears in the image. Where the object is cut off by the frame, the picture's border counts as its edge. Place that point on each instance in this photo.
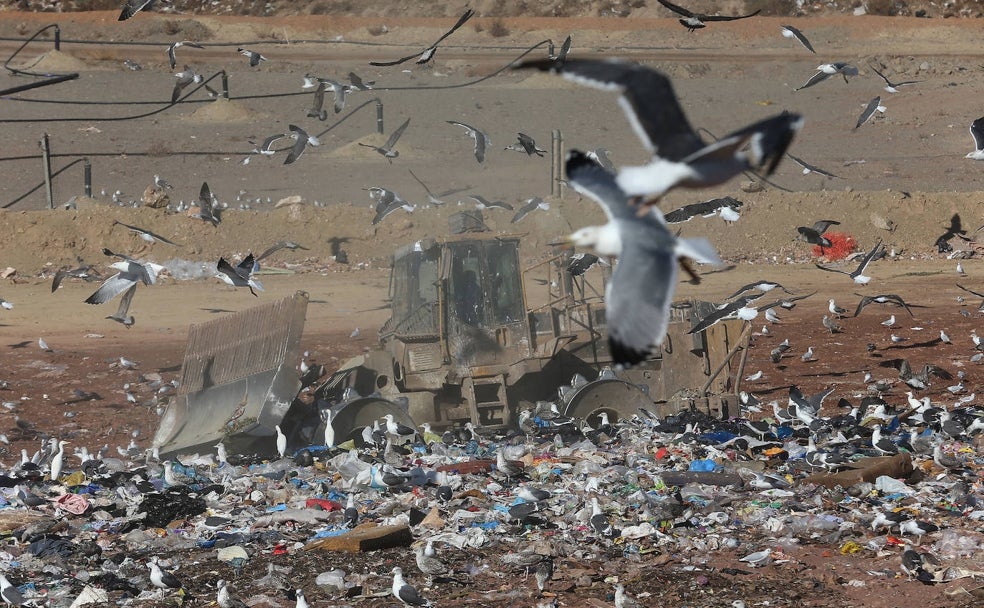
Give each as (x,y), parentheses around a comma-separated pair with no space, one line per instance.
(840,246)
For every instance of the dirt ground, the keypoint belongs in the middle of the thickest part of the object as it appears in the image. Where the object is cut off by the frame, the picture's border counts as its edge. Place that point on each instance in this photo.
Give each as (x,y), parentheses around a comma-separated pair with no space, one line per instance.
(907,166)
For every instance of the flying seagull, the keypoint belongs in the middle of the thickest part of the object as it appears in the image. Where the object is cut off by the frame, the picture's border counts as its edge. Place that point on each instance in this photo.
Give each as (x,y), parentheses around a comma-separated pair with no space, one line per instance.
(762,286)
(131,8)
(526,144)
(87,273)
(254,57)
(482,140)
(172,58)
(278,246)
(705,209)
(736,309)
(789,31)
(892,87)
(869,110)
(146,235)
(239,275)
(977,132)
(531,205)
(130,272)
(302,139)
(483,203)
(814,234)
(561,56)
(428,53)
(387,202)
(185,77)
(808,168)
(359,84)
(435,199)
(387,149)
(641,289)
(582,261)
(206,205)
(318,104)
(680,157)
(123,312)
(889,298)
(858,273)
(826,70)
(694,21)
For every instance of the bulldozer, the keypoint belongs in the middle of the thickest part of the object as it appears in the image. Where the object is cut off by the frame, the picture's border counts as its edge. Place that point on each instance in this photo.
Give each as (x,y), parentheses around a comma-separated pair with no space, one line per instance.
(473,338)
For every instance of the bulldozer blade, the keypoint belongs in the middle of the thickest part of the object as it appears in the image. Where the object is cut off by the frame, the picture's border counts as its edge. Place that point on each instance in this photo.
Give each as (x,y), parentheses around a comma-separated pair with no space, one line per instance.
(237,380)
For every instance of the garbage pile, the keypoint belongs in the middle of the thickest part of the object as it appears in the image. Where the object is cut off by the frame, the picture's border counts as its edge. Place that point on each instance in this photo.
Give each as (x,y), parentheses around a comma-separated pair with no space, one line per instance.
(686,510)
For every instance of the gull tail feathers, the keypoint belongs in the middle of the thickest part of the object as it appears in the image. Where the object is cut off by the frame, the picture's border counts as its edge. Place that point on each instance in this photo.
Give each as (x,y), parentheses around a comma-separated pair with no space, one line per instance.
(698,249)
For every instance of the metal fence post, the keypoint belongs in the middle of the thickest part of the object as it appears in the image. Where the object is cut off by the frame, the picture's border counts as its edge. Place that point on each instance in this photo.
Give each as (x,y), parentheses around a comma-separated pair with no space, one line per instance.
(57,38)
(225,85)
(556,163)
(379,116)
(87,177)
(46,163)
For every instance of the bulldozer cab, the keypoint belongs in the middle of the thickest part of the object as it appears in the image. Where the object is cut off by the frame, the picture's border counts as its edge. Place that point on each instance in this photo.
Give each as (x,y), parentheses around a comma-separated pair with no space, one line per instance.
(466,295)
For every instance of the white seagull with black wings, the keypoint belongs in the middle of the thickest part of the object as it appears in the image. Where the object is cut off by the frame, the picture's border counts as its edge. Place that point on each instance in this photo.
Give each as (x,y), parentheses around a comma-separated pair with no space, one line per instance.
(428,53)
(680,156)
(639,295)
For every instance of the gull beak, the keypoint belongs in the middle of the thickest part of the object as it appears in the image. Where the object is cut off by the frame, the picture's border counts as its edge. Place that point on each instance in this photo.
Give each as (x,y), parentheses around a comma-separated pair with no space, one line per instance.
(564,241)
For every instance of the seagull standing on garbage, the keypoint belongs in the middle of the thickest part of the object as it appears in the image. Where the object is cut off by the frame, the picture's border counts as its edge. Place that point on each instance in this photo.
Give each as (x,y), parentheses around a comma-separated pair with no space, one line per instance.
(400,431)
(281,442)
(163,579)
(224,599)
(301,601)
(56,461)
(404,592)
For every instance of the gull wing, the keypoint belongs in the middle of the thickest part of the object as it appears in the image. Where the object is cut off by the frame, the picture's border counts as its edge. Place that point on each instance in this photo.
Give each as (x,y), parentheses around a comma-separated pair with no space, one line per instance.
(395,137)
(796,33)
(677,9)
(461,21)
(648,100)
(723,18)
(869,110)
(816,78)
(112,287)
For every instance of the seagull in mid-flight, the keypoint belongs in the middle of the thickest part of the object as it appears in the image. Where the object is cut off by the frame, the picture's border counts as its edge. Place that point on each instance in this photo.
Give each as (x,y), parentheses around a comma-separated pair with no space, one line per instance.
(680,156)
(789,31)
(892,87)
(641,289)
(146,235)
(858,273)
(254,57)
(131,8)
(301,141)
(869,110)
(826,70)
(428,53)
(387,149)
(695,21)
(482,139)
(172,57)
(240,275)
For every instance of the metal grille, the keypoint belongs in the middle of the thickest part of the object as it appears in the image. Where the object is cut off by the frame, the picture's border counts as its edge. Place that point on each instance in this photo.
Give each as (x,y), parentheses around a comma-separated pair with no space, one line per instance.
(242,344)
